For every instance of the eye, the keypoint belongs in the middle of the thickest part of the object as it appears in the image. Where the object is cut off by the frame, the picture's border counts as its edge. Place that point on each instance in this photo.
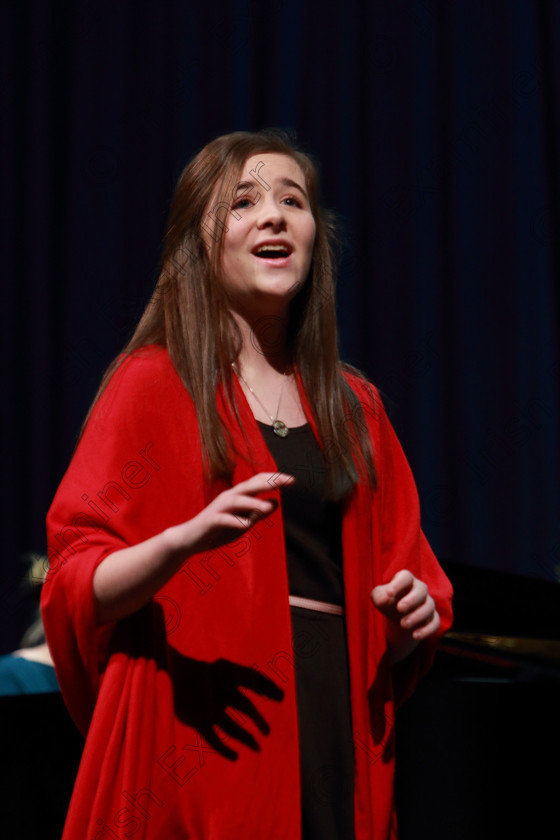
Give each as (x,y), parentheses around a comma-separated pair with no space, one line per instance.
(241,203)
(293,201)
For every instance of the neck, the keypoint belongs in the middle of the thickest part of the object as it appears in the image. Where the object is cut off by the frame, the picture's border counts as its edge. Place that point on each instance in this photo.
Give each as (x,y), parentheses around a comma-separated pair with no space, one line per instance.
(40,653)
(264,345)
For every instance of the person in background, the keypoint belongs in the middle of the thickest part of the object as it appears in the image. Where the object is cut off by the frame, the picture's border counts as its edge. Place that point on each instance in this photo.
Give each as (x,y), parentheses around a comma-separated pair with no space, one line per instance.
(30,670)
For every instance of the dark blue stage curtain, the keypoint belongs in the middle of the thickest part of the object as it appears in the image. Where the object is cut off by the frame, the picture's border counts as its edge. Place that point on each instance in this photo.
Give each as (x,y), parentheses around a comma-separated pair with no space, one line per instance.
(437,128)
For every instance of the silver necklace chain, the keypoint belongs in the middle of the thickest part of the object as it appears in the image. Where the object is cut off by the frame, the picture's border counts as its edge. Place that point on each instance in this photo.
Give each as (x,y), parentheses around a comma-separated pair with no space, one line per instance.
(278,426)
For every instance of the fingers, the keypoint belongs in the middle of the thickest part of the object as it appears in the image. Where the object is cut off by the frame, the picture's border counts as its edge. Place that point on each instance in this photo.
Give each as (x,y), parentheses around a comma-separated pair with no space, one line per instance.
(217,743)
(402,583)
(244,511)
(421,617)
(234,730)
(243,704)
(427,628)
(414,597)
(247,505)
(404,592)
(261,482)
(234,712)
(234,511)
(406,601)
(257,682)
(243,503)
(388,594)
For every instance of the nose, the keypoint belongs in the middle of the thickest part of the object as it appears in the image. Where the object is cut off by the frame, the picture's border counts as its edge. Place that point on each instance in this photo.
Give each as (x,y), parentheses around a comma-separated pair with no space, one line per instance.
(271,214)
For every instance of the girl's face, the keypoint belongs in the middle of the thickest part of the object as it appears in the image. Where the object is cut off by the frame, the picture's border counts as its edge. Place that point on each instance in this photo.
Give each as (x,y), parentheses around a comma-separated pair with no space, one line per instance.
(268,243)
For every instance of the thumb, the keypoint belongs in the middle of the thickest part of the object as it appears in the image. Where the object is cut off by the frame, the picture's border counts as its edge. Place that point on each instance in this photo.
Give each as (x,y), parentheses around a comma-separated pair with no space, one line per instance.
(380,596)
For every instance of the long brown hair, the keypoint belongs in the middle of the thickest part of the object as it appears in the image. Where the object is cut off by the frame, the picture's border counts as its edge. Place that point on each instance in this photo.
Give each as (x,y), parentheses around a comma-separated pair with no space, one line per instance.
(188,312)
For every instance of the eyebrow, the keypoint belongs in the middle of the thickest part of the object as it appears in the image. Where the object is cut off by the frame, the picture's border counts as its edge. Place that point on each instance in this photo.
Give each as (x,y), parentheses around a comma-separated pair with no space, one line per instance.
(286,182)
(244,185)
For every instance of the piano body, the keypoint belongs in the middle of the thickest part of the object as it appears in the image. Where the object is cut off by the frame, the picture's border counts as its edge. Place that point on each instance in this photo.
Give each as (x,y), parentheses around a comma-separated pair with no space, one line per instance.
(478,746)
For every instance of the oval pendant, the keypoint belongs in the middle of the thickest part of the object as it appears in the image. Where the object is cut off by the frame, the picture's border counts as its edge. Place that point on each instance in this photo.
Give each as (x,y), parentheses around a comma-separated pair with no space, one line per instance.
(279,428)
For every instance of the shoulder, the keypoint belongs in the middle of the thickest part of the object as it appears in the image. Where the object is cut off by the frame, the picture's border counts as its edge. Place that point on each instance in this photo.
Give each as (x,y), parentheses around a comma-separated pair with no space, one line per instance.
(146,365)
(144,377)
(367,393)
(367,406)
(143,391)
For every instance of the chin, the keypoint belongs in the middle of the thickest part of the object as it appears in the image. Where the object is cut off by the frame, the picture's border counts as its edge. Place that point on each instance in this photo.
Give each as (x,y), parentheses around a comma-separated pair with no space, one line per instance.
(282,291)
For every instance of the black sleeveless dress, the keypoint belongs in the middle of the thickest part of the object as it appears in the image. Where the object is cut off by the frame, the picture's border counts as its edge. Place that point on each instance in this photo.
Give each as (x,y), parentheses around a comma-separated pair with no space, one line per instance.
(312,526)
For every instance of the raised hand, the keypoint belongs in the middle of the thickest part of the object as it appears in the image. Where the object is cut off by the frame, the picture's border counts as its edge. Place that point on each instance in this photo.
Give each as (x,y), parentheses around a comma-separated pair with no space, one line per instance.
(233,511)
(127,579)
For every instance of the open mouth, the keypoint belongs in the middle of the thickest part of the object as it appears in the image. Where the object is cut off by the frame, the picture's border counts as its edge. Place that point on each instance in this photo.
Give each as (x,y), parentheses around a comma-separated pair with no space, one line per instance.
(272,252)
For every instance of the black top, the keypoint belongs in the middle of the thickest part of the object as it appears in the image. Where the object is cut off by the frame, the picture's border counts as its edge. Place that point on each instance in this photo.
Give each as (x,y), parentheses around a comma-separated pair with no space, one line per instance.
(312,525)
(312,522)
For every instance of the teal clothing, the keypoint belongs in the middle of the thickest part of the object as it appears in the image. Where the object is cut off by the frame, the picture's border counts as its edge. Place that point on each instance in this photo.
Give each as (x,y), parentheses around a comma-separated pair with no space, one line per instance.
(21,676)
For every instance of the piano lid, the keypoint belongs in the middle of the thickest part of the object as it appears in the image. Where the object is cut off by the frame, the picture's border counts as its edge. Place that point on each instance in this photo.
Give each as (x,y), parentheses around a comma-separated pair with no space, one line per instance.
(494,603)
(506,626)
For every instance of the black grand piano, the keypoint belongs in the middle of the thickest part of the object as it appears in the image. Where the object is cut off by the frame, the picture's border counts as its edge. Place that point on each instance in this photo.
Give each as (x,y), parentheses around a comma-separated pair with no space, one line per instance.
(478,746)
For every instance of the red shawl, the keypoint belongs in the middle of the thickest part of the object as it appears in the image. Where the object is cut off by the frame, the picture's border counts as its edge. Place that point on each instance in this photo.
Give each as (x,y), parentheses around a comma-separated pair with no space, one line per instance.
(133,686)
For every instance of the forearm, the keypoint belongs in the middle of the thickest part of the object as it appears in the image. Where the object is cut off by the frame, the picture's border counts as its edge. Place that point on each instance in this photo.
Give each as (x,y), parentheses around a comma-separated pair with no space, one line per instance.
(127,579)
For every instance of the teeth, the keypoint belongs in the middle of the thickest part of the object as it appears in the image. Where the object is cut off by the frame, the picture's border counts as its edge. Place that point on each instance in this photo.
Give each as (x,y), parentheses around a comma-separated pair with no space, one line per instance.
(276,248)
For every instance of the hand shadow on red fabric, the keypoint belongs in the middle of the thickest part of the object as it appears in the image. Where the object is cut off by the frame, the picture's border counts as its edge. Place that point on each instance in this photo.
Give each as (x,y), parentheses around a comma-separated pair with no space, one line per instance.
(212,698)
